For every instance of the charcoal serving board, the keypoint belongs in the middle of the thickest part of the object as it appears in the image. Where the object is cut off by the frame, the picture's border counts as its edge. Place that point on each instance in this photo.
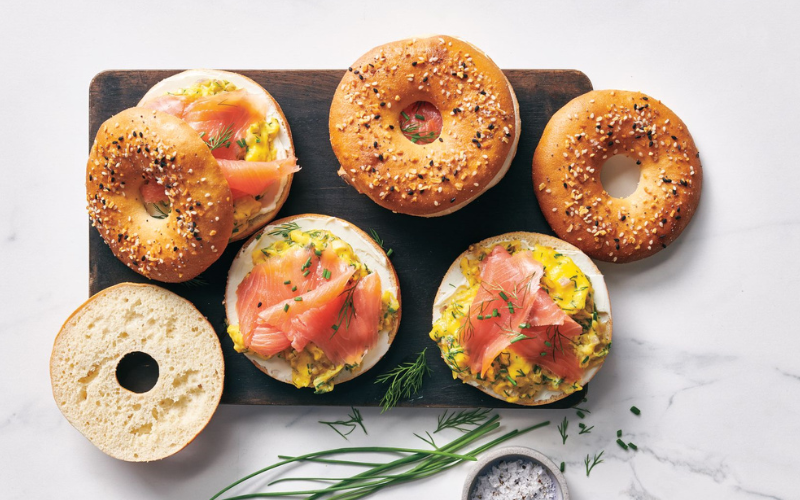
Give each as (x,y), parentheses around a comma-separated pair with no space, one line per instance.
(423,248)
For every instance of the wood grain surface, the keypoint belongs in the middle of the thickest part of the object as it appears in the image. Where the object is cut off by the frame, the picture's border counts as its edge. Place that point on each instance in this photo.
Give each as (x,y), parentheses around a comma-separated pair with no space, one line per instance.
(423,248)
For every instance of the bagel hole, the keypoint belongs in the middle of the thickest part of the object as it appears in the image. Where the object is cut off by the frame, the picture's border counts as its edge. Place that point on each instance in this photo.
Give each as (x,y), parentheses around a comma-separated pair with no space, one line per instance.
(155,199)
(620,176)
(137,372)
(421,122)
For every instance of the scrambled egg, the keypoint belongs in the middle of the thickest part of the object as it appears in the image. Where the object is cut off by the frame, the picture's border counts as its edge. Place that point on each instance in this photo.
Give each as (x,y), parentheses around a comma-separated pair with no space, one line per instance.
(511,375)
(310,367)
(258,146)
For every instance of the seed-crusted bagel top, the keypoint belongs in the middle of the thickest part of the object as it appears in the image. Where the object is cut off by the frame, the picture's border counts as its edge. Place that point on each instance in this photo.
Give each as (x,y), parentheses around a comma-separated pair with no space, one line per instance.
(140,145)
(578,140)
(480,125)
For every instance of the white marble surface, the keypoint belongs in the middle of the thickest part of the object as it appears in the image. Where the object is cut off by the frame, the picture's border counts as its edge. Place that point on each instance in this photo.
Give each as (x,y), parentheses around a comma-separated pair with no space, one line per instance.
(704,332)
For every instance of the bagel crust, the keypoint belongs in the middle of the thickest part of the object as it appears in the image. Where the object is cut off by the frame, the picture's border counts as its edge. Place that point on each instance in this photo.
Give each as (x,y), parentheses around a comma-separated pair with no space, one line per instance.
(578,140)
(139,145)
(480,125)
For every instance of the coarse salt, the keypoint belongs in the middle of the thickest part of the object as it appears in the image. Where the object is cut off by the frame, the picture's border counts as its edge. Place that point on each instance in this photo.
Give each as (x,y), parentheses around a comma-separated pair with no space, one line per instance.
(513,480)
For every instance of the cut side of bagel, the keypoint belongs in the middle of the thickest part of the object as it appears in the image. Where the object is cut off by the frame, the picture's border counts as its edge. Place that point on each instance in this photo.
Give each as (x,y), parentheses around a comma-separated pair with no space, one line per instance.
(508,307)
(250,212)
(135,318)
(317,235)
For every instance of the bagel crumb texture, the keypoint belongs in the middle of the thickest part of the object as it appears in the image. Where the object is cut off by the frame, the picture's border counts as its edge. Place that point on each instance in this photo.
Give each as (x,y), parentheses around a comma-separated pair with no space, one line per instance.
(578,140)
(140,145)
(126,318)
(479,125)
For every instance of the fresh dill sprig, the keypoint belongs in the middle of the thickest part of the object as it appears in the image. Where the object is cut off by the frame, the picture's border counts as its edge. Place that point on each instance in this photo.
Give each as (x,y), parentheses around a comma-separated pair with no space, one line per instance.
(284,229)
(404,380)
(595,461)
(584,429)
(461,419)
(222,139)
(350,425)
(562,429)
(347,310)
(195,282)
(379,241)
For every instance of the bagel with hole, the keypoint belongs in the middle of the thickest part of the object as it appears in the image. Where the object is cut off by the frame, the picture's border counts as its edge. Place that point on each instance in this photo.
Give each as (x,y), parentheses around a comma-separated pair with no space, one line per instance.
(575,144)
(172,240)
(524,317)
(424,126)
(88,354)
(247,133)
(312,301)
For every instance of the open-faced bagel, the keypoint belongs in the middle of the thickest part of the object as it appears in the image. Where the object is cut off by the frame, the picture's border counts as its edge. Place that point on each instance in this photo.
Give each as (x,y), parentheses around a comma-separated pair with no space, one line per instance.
(479,135)
(89,351)
(140,145)
(367,250)
(455,282)
(273,198)
(578,140)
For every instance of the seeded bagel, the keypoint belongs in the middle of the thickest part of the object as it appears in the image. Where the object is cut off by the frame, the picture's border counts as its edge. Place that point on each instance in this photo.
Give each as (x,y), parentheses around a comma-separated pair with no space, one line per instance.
(578,140)
(140,145)
(480,125)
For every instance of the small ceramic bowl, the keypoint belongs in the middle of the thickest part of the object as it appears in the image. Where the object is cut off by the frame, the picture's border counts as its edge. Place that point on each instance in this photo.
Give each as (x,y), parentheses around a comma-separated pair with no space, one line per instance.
(509,454)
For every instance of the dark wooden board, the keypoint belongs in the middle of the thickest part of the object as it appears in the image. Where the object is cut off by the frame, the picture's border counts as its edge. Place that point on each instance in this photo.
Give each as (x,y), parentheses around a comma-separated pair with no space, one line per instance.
(423,248)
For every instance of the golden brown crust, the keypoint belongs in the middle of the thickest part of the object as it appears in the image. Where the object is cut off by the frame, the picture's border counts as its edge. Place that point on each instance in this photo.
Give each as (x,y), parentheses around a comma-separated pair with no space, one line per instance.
(480,125)
(531,239)
(580,137)
(140,144)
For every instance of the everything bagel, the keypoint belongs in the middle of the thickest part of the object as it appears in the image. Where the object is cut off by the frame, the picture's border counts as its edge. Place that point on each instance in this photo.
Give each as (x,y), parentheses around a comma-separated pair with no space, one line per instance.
(479,134)
(141,147)
(576,143)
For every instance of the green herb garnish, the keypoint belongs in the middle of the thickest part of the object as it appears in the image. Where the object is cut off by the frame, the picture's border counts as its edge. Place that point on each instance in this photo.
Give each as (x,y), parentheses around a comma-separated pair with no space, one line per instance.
(404,380)
(379,241)
(412,464)
(635,410)
(562,429)
(347,310)
(350,425)
(462,418)
(584,429)
(284,229)
(595,461)
(222,139)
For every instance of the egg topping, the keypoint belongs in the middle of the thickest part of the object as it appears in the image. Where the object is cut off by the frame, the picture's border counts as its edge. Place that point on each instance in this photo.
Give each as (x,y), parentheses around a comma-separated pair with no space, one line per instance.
(311,367)
(510,374)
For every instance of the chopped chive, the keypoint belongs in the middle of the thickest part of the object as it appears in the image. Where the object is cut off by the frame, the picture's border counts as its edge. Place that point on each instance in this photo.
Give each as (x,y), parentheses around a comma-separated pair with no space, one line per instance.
(326,274)
(285,307)
(480,316)
(622,444)
(518,338)
(561,467)
(581,414)
(511,308)
(633,446)
(287,282)
(298,299)
(294,288)
(635,410)
(419,117)
(308,271)
(543,354)
(586,359)
(619,433)
(335,327)
(389,253)
(504,296)
(511,379)
(495,313)
(524,325)
(307,264)
(547,343)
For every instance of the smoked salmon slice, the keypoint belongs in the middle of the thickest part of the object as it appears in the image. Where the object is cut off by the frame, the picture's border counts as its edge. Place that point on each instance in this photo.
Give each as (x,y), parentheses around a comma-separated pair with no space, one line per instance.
(503,302)
(222,121)
(345,328)
(551,325)
(254,177)
(421,122)
(152,192)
